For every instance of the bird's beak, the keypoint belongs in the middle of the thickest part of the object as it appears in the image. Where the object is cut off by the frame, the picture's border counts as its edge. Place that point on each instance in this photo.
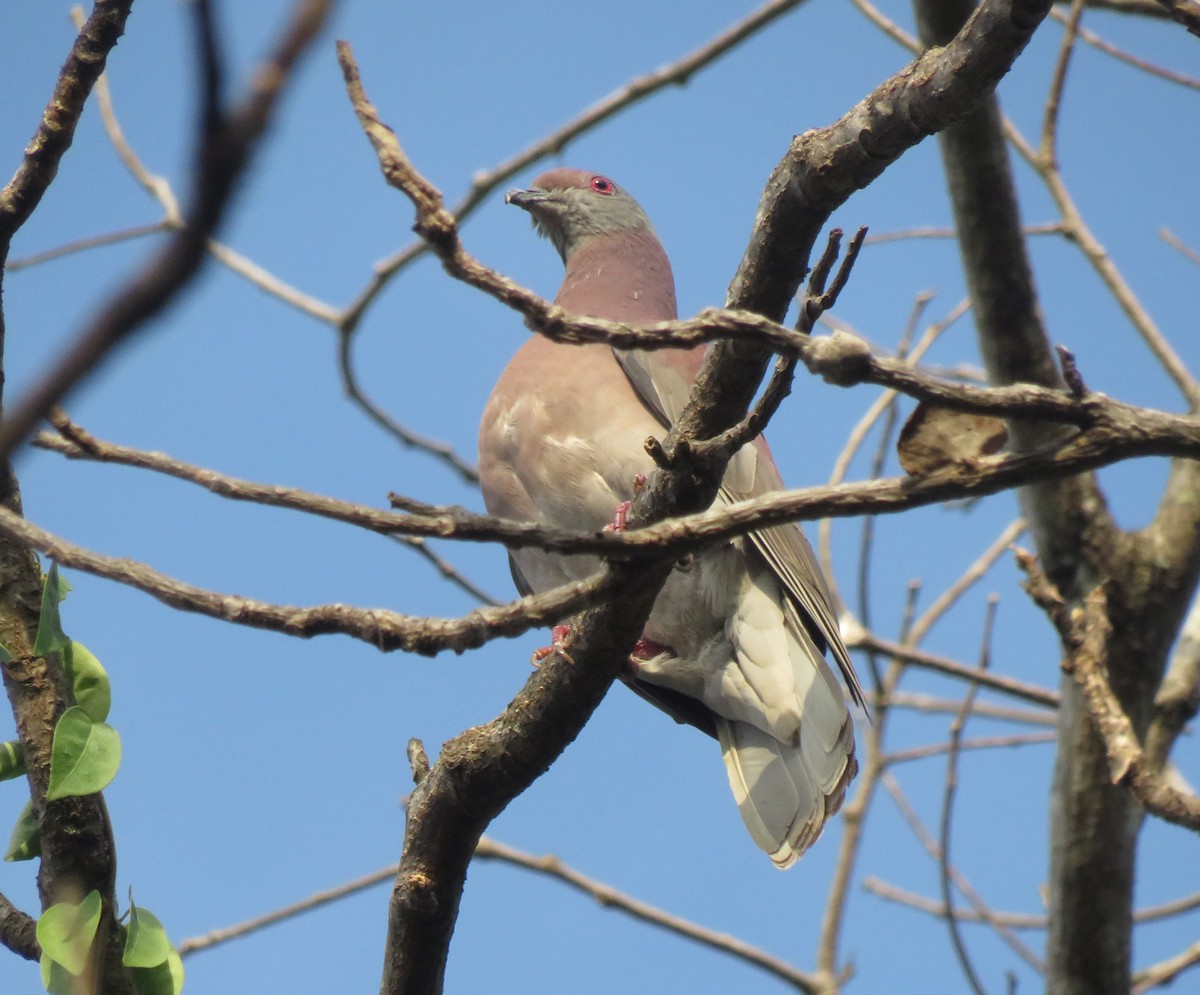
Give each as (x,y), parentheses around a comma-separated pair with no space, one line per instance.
(525,199)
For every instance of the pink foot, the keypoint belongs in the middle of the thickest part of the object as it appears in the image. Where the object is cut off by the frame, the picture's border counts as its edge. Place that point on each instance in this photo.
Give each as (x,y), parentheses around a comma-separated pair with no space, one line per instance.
(558,640)
(646,649)
(622,513)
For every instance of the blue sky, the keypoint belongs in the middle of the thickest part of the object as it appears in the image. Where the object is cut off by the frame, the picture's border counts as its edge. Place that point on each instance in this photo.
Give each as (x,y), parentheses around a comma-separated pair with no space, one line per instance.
(259,769)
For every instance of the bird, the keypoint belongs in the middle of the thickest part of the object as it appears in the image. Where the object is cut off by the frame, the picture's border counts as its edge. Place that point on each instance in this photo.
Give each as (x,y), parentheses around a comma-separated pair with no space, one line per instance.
(736,642)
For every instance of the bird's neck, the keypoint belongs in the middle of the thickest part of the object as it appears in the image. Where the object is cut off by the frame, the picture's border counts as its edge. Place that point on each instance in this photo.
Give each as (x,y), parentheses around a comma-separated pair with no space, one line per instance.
(622,276)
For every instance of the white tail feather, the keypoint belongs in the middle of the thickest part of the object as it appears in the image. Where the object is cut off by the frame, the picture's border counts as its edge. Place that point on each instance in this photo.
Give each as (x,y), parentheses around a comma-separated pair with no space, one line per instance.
(784,795)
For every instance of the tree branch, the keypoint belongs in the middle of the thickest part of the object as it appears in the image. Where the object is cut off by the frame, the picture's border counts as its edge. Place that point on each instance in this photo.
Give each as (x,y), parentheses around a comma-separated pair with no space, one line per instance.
(386,630)
(1086,632)
(228,140)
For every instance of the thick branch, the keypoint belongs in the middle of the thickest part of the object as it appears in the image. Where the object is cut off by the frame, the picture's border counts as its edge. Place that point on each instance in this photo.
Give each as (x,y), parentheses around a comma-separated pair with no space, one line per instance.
(18,931)
(56,130)
(1127,762)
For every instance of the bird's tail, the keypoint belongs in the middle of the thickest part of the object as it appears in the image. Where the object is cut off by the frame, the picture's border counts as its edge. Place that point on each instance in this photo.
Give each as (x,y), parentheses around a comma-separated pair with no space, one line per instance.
(785,793)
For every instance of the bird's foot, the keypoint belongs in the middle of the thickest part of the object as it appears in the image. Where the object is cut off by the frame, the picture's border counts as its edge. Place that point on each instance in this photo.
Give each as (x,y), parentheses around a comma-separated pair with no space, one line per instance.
(558,640)
(621,515)
(645,650)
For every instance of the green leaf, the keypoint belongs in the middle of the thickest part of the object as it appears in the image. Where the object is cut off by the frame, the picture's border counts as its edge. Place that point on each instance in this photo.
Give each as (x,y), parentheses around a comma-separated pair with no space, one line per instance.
(162,979)
(12,759)
(56,979)
(5,655)
(89,681)
(66,931)
(146,943)
(50,636)
(84,757)
(25,843)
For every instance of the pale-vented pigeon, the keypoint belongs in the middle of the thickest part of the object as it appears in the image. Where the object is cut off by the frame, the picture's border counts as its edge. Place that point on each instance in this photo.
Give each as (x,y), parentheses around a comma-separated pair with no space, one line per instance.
(738,635)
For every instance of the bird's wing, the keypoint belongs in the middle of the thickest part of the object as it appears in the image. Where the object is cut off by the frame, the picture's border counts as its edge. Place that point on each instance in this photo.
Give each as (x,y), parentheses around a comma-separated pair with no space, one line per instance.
(663,379)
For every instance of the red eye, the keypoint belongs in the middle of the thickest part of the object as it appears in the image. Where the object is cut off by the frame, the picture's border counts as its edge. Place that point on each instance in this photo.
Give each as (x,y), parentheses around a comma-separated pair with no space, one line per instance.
(602,184)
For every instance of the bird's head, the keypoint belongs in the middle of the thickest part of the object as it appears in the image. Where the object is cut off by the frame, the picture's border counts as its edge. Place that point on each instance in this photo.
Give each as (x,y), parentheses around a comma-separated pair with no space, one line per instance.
(570,206)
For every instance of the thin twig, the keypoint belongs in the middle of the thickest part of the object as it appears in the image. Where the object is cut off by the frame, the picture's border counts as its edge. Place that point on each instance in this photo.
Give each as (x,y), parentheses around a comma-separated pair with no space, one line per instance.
(83,244)
(1058,80)
(386,630)
(1175,242)
(934,705)
(1108,48)
(674,74)
(447,569)
(1081,235)
(981,743)
(948,794)
(909,899)
(610,897)
(1166,971)
(1017,920)
(441,451)
(862,428)
(216,937)
(227,145)
(952,668)
(968,579)
(906,234)
(927,841)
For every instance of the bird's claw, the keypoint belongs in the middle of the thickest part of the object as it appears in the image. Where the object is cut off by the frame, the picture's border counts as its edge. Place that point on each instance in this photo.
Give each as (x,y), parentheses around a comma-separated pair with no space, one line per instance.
(645,650)
(558,642)
(621,515)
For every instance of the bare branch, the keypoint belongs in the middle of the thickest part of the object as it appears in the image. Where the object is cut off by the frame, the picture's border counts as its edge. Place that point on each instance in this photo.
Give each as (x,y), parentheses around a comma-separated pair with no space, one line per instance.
(1185,12)
(386,630)
(216,937)
(1058,82)
(407,437)
(228,141)
(18,931)
(960,882)
(1179,245)
(1108,48)
(1121,431)
(674,74)
(1017,920)
(1178,699)
(949,792)
(981,743)
(610,897)
(1127,762)
(969,578)
(881,238)
(949,706)
(83,244)
(890,893)
(447,569)
(1086,631)
(859,432)
(56,130)
(952,668)
(1167,971)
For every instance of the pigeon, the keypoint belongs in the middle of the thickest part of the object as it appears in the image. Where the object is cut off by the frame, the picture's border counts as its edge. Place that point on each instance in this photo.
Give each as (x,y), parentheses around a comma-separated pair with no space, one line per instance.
(737,640)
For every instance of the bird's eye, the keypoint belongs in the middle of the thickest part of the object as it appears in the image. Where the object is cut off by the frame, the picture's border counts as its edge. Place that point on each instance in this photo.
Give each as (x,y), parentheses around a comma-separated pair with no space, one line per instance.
(602,184)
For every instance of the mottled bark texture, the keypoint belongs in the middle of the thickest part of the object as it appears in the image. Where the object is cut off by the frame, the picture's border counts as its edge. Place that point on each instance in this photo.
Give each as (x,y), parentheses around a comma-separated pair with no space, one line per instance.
(77,852)
(1094,826)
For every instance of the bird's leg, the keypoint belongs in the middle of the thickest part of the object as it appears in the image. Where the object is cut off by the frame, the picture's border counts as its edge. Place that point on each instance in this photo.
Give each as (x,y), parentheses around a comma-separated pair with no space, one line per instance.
(558,640)
(622,512)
